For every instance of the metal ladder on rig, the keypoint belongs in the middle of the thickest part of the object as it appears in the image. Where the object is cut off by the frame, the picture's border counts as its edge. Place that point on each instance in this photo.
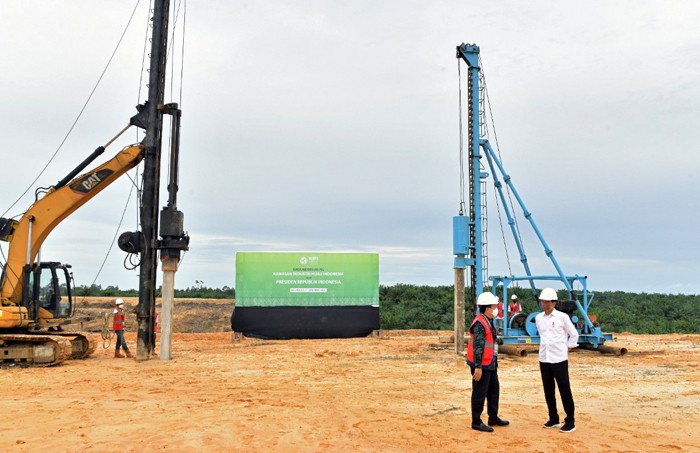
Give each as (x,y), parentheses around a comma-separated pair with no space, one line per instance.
(483,133)
(484,235)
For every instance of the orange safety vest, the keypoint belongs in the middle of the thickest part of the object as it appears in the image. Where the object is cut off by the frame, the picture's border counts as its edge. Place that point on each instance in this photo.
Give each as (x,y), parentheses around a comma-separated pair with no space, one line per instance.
(491,336)
(118,323)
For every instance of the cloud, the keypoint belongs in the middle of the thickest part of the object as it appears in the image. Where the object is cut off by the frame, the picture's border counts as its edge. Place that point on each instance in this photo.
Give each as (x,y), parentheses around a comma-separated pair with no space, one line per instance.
(335,127)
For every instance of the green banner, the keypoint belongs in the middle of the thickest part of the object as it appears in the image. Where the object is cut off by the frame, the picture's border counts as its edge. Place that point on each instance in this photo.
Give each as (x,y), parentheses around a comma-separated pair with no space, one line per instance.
(267,279)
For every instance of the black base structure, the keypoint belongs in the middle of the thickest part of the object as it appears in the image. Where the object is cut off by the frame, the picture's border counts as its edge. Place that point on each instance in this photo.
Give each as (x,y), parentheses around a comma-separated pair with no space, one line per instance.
(283,323)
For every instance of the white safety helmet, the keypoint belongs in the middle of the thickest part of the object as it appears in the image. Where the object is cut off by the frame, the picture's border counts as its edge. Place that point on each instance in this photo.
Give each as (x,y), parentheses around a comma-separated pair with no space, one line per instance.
(486,298)
(548,294)
(513,297)
(119,302)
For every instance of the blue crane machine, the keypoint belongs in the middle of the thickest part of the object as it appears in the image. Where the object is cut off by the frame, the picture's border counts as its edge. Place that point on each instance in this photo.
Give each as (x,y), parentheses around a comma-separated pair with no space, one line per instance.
(469,231)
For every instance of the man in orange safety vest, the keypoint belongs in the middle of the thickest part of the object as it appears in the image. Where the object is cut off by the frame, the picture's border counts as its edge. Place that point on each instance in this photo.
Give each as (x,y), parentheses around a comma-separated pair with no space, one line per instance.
(482,358)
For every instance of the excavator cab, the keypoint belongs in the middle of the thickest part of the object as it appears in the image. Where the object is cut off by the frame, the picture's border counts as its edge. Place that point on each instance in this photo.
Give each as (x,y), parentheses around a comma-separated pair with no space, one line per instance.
(49,291)
(32,331)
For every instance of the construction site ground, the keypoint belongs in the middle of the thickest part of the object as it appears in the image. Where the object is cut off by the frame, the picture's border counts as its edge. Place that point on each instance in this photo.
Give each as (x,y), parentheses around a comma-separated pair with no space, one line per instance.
(403,391)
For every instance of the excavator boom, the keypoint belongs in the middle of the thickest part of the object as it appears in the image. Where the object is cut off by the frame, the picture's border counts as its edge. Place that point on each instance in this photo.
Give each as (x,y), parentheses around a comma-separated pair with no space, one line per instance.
(28,234)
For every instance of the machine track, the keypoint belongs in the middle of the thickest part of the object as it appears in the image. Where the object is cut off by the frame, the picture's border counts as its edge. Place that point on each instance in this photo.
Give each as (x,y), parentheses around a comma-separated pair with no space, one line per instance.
(83,344)
(34,350)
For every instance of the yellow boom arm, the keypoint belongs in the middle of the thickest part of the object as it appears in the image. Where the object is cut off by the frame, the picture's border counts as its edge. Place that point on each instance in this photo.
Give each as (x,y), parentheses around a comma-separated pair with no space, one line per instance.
(30,232)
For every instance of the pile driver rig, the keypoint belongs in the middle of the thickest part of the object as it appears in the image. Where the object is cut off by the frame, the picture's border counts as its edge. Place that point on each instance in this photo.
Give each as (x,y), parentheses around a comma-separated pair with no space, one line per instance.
(469,237)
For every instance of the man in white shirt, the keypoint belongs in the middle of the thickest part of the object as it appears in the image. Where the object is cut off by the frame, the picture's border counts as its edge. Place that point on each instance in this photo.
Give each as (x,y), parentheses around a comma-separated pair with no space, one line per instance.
(557,336)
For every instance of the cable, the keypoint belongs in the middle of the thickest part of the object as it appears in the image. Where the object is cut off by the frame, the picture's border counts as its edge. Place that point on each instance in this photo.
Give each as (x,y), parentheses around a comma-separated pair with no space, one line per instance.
(503,234)
(133,264)
(106,332)
(114,238)
(143,59)
(498,150)
(171,47)
(182,57)
(80,114)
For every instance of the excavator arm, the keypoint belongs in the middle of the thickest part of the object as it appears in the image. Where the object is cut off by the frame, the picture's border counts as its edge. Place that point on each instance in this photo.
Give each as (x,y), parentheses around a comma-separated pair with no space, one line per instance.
(28,234)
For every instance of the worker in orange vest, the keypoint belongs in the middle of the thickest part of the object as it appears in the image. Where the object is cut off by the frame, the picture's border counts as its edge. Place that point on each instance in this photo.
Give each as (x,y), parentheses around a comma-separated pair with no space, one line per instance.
(514,307)
(118,326)
(482,358)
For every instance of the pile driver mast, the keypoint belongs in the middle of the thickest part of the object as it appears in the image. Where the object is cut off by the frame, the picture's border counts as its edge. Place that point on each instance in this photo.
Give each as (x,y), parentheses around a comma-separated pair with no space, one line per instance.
(469,237)
(173,239)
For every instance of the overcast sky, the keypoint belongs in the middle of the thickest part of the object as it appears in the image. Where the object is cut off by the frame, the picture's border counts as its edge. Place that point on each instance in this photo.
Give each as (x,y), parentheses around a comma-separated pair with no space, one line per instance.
(334,126)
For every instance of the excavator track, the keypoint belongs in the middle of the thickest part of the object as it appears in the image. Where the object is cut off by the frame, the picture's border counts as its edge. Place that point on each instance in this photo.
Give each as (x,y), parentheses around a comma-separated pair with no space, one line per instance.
(83,344)
(34,350)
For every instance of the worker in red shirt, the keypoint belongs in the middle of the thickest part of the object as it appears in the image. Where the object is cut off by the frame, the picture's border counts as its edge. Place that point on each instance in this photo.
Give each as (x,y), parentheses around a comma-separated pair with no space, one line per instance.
(118,326)
(498,316)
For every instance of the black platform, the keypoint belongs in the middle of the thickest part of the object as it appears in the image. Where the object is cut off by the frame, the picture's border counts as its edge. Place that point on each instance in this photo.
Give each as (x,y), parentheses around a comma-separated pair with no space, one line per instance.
(282,323)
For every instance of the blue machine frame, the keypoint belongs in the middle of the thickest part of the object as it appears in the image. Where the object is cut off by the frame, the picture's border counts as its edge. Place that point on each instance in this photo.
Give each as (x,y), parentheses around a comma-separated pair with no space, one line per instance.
(515,330)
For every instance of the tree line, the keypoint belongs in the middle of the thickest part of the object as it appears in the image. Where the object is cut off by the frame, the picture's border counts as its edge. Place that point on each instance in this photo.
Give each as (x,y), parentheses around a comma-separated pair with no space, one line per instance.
(405,306)
(194,292)
(432,307)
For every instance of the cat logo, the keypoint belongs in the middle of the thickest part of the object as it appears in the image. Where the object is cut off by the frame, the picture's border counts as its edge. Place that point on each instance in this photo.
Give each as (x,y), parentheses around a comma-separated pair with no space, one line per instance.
(88,182)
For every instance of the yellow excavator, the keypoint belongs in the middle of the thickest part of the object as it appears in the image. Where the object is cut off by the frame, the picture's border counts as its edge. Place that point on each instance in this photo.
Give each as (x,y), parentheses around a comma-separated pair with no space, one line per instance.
(36,298)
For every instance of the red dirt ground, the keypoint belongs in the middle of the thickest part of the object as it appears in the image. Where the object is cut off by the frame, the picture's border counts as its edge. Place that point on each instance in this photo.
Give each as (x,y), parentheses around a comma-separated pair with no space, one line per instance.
(397,393)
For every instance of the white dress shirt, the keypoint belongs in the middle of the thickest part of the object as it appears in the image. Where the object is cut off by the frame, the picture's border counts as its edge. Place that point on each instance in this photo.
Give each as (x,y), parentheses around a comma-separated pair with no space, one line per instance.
(557,335)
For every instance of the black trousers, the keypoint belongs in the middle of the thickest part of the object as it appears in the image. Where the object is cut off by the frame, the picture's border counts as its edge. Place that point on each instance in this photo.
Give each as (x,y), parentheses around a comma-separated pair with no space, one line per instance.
(559,373)
(487,388)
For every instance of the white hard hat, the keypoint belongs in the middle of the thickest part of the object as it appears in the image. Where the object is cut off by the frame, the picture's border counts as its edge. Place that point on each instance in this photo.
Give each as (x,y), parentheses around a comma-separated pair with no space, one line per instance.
(548,294)
(513,297)
(119,302)
(486,298)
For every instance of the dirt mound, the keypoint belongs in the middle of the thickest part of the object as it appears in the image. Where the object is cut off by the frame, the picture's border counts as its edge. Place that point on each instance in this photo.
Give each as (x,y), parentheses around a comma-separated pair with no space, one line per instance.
(189,315)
